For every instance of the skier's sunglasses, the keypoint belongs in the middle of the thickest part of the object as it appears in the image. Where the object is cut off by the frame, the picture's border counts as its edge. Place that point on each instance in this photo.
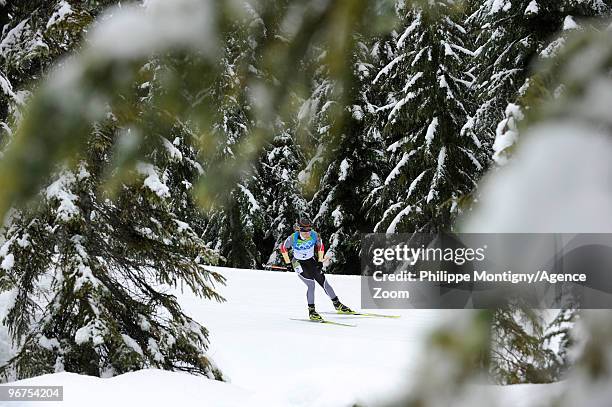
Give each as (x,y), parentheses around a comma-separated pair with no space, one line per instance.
(305,228)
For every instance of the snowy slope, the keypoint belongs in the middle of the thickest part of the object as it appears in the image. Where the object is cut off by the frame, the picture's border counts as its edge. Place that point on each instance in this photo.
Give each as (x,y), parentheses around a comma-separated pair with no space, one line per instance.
(301,363)
(273,361)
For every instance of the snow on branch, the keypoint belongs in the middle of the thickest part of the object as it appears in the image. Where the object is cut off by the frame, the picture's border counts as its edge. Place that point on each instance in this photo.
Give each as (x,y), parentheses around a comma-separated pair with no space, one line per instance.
(408,31)
(396,171)
(253,205)
(438,175)
(62,11)
(431,131)
(404,212)
(387,68)
(152,180)
(60,191)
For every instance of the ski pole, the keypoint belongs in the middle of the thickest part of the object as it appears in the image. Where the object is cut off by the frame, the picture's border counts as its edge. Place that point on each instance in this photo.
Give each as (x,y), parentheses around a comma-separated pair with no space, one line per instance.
(273,267)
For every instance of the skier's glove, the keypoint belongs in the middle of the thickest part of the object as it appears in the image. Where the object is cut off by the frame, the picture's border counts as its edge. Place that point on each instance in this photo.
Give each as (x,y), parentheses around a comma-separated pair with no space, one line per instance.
(320,267)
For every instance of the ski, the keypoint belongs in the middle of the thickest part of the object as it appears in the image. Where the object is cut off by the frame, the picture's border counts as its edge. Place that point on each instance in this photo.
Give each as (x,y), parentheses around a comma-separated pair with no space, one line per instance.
(325,321)
(362,314)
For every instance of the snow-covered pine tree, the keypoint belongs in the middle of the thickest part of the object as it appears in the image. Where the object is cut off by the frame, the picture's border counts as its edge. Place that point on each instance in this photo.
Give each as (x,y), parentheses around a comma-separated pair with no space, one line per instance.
(90,271)
(267,200)
(278,170)
(237,227)
(422,86)
(347,158)
(510,36)
(34,34)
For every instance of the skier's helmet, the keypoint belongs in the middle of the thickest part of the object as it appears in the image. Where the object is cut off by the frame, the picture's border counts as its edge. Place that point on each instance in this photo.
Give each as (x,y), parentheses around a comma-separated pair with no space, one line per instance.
(304,225)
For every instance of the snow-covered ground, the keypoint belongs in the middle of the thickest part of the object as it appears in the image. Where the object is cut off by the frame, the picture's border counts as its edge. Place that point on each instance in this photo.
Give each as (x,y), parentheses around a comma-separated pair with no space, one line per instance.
(271,360)
(301,363)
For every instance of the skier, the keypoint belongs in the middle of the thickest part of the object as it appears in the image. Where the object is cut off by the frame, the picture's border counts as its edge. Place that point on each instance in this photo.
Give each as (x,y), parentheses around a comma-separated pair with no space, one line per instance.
(304,242)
